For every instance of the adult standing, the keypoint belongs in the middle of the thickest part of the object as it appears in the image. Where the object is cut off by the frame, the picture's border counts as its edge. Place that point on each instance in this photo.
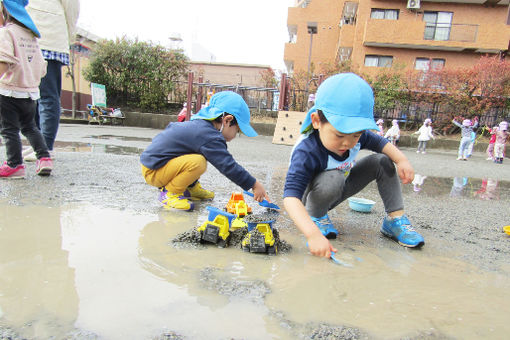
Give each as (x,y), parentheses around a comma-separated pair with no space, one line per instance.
(56,20)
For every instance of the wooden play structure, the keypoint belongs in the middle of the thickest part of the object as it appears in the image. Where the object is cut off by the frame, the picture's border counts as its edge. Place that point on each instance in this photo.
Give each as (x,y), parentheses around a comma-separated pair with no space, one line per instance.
(288,126)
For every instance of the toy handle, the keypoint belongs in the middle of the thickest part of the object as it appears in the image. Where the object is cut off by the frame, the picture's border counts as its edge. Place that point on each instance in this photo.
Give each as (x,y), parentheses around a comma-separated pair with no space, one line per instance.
(248,193)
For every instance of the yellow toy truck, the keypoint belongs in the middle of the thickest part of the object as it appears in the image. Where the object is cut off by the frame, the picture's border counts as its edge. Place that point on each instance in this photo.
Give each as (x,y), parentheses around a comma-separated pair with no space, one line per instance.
(260,238)
(216,228)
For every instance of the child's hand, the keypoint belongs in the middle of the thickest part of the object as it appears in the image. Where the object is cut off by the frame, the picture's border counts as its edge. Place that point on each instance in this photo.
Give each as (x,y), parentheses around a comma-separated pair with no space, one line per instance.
(405,171)
(259,193)
(319,245)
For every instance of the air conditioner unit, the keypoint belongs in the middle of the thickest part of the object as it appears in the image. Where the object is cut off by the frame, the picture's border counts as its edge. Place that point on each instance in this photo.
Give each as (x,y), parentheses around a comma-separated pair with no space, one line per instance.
(413,4)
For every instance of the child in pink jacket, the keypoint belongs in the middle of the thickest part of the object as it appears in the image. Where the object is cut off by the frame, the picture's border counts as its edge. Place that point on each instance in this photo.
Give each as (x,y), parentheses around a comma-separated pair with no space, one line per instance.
(21,68)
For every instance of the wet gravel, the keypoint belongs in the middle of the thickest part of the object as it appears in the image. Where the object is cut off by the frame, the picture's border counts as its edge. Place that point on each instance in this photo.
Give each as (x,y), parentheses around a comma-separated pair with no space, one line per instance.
(456,223)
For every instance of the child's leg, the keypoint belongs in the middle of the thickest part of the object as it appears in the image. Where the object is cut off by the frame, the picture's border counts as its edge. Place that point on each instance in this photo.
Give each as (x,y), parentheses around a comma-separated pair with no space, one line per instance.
(10,127)
(178,173)
(30,130)
(490,151)
(498,150)
(464,142)
(424,146)
(330,188)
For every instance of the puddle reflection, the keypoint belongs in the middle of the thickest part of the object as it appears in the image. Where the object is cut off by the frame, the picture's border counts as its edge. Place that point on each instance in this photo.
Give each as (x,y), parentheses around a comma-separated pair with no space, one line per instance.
(484,189)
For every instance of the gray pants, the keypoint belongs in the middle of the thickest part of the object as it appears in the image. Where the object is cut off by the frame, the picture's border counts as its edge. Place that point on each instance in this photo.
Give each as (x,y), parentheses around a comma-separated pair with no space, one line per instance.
(330,188)
(422,145)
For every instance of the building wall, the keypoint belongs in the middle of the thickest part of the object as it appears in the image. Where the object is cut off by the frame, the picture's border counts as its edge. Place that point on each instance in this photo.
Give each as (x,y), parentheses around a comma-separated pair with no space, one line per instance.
(476,29)
(229,74)
(324,44)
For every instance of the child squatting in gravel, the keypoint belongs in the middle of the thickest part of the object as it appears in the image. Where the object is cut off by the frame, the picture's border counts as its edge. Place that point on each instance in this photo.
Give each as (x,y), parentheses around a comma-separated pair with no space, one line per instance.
(323,172)
(178,156)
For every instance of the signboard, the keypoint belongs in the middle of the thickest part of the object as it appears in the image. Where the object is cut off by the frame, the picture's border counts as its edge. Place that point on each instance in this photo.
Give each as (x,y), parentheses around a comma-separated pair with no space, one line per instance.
(98,94)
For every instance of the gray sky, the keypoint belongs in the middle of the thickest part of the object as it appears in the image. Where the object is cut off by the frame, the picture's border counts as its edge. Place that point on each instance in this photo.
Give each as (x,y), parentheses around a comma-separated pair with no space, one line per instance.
(237,31)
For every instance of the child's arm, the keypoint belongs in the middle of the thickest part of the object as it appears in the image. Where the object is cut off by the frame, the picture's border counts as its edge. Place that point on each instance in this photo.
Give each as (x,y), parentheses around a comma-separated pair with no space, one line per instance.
(317,243)
(404,168)
(3,68)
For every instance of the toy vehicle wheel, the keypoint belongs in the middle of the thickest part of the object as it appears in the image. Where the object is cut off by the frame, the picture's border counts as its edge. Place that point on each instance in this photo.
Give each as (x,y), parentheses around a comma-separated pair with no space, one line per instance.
(246,249)
(223,243)
(272,250)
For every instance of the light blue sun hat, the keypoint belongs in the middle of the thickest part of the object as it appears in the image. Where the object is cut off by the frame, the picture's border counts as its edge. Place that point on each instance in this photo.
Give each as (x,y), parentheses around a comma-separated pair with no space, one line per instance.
(229,102)
(16,9)
(347,102)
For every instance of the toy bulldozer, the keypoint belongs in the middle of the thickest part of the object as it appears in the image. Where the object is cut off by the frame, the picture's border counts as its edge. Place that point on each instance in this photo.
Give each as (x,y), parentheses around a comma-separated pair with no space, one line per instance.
(260,238)
(237,205)
(216,228)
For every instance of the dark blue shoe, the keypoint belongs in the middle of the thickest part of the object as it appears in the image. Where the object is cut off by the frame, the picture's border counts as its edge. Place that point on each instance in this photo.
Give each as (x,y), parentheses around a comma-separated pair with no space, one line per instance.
(401,230)
(326,226)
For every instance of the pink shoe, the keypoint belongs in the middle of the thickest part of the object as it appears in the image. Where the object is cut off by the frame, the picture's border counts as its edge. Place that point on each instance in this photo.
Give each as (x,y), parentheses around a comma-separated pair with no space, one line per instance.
(8,172)
(43,166)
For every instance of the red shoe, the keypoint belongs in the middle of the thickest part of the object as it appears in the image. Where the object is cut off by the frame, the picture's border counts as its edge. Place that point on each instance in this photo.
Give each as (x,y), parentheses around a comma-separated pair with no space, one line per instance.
(44,166)
(13,173)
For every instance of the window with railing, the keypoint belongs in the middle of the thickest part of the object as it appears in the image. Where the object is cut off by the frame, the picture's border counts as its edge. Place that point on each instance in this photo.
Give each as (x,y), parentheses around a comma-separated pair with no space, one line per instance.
(349,13)
(437,25)
(388,14)
(378,61)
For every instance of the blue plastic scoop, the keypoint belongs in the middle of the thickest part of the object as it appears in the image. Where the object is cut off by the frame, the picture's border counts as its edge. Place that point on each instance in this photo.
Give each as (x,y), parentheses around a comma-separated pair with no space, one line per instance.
(264,203)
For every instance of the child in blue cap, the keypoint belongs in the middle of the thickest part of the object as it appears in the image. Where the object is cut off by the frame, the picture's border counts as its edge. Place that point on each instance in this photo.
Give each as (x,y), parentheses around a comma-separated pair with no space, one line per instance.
(178,156)
(323,172)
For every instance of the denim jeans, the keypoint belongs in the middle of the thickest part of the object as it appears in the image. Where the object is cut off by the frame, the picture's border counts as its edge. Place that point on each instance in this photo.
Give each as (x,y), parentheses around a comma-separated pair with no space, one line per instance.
(49,104)
(17,114)
(330,188)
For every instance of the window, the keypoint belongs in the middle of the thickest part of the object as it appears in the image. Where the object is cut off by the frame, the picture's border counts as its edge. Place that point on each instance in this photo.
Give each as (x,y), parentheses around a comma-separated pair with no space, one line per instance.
(378,61)
(390,14)
(438,25)
(424,64)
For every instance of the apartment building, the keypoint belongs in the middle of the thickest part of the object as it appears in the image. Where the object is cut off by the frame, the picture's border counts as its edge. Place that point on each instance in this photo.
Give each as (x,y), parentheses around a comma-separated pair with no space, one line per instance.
(376,34)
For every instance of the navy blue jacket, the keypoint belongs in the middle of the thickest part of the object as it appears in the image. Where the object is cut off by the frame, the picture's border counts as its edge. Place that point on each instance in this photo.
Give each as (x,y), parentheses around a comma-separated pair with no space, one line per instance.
(309,157)
(200,137)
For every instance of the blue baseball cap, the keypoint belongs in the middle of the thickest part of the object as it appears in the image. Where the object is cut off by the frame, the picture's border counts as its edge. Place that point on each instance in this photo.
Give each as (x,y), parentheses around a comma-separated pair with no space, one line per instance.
(347,102)
(229,102)
(16,9)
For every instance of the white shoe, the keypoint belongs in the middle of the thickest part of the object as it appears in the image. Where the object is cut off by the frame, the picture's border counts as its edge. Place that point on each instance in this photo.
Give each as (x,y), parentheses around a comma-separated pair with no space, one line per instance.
(423,152)
(459,158)
(30,156)
(417,151)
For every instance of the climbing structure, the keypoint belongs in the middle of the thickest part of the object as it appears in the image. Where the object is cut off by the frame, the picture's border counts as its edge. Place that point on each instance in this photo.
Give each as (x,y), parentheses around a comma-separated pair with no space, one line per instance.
(288,126)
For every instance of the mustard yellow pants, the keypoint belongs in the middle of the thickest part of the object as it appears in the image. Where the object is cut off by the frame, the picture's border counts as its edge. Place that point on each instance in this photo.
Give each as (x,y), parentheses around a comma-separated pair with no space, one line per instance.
(177,174)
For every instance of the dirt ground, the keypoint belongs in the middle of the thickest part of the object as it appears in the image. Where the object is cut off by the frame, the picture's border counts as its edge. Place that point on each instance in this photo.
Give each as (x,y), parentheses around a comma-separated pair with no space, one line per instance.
(460,208)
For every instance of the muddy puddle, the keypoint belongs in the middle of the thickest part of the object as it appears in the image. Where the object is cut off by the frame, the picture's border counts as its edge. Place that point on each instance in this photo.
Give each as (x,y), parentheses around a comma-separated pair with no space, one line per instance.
(84,272)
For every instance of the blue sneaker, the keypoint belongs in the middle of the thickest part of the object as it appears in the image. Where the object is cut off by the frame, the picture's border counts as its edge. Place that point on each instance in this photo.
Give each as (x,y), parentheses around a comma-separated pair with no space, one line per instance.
(401,230)
(326,226)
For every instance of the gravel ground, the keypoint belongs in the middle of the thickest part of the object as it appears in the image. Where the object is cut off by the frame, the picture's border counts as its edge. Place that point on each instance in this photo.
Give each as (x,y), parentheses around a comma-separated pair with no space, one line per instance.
(454,219)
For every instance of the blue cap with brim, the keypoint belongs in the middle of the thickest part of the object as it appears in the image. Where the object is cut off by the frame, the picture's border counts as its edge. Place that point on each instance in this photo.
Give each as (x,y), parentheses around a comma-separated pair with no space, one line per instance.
(347,102)
(229,102)
(16,9)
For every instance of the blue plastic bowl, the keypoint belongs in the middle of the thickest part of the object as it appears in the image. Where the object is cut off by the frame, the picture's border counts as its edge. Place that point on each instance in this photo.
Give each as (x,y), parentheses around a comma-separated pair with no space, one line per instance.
(360,204)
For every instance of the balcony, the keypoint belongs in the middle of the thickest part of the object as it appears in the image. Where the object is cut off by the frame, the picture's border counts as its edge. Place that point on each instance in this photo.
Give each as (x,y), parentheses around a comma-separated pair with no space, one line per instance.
(485,38)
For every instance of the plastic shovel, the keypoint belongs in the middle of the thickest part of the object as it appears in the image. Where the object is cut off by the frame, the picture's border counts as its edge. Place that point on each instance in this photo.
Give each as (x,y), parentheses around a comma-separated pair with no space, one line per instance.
(264,203)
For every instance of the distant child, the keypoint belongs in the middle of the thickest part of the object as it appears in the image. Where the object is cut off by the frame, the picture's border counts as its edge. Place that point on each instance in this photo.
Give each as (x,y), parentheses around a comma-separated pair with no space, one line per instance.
(426,134)
(499,146)
(393,133)
(492,141)
(323,173)
(380,124)
(178,156)
(21,68)
(466,128)
(181,117)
